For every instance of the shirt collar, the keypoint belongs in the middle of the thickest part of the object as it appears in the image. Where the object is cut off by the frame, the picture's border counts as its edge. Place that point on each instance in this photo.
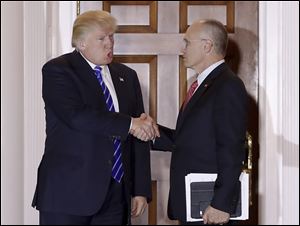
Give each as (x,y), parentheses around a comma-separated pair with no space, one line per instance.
(202,76)
(92,64)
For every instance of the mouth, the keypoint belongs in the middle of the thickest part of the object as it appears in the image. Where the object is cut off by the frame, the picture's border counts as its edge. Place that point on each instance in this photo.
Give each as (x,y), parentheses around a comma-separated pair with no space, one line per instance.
(110,54)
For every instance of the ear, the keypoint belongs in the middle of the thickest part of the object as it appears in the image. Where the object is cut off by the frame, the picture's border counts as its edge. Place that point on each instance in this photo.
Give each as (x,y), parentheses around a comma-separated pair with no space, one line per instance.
(81,45)
(208,46)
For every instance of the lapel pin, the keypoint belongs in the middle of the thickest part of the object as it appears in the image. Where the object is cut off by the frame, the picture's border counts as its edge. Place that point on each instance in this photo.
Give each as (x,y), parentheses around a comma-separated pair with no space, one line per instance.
(121,79)
(205,85)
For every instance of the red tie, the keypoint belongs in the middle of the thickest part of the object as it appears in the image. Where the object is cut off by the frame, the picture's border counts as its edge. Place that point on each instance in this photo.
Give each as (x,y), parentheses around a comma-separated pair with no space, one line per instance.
(190,93)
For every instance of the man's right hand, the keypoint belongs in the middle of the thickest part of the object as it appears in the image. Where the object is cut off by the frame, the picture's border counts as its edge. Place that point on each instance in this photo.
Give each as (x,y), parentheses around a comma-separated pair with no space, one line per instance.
(144,128)
(215,216)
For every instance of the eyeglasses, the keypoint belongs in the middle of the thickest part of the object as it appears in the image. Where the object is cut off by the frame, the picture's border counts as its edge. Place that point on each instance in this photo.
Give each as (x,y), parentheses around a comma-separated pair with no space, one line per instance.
(187,42)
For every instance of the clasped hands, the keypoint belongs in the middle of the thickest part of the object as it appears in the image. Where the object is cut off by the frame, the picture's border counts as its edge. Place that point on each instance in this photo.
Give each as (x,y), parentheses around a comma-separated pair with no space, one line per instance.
(144,128)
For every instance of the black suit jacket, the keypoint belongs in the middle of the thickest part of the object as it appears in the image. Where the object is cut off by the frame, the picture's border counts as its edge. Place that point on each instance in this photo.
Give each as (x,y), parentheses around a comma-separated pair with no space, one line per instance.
(75,171)
(209,138)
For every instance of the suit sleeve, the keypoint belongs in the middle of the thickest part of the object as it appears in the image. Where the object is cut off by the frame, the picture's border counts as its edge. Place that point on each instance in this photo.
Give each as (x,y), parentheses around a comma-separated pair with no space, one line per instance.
(230,126)
(141,152)
(166,140)
(62,95)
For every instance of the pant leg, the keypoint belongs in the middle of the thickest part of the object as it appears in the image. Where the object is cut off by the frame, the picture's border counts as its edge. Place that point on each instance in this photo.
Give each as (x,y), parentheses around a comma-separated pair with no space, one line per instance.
(114,209)
(52,218)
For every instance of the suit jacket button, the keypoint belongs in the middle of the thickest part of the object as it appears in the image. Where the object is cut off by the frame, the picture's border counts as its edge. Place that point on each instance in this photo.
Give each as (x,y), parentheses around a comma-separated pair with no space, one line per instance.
(109,162)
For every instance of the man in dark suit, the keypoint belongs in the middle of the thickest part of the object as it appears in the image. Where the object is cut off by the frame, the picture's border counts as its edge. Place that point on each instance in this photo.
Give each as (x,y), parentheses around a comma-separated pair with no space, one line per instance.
(211,125)
(92,165)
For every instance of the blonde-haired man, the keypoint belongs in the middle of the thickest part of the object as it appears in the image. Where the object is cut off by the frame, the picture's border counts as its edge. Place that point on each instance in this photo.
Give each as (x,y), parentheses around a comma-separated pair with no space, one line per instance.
(92,165)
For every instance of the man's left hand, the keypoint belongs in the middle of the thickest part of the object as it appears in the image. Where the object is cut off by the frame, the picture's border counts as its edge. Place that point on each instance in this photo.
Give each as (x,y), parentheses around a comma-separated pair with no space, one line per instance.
(139,204)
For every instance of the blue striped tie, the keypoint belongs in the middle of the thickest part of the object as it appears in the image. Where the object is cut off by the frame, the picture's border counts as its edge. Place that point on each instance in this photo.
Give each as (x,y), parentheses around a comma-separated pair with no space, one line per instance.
(117,169)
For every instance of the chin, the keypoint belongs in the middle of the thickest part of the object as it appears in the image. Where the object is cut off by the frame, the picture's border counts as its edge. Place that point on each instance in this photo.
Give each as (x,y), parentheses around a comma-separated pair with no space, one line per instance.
(187,65)
(107,61)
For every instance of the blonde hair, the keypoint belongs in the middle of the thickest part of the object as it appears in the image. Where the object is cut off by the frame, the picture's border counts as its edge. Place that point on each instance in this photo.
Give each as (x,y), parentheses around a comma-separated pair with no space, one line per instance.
(87,21)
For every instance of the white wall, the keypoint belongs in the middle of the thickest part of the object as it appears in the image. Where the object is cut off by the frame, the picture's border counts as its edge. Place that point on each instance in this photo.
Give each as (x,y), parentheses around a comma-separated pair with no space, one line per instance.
(47,34)
(32,32)
(279,113)
(34,126)
(12,103)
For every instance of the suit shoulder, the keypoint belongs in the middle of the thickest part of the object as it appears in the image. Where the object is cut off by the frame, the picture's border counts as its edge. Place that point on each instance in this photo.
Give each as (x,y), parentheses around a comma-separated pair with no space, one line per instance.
(122,67)
(60,61)
(229,79)
(229,75)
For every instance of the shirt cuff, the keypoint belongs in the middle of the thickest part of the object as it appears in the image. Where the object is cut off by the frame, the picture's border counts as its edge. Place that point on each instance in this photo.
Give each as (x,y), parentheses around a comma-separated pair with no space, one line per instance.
(130,125)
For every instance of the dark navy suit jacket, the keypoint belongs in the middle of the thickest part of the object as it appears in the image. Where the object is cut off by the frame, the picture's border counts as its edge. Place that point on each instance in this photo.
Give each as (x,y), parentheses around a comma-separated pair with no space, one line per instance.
(209,138)
(75,171)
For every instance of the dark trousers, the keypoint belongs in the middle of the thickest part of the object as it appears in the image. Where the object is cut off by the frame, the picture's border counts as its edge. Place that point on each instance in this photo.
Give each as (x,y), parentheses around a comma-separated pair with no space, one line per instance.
(112,212)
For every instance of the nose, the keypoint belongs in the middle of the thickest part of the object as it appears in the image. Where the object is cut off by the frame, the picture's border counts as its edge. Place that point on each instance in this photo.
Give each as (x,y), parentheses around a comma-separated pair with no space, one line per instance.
(183,50)
(109,41)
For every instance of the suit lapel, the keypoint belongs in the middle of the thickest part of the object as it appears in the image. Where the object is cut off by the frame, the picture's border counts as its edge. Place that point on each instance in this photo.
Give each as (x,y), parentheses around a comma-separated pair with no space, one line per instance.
(87,76)
(203,88)
(195,98)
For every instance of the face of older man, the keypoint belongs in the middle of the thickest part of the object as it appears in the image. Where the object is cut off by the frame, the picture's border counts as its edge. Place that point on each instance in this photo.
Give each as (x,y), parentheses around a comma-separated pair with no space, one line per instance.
(193,47)
(198,48)
(97,46)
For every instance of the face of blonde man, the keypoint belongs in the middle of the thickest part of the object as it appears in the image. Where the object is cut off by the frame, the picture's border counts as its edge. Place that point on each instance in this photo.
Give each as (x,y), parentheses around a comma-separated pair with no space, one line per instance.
(97,46)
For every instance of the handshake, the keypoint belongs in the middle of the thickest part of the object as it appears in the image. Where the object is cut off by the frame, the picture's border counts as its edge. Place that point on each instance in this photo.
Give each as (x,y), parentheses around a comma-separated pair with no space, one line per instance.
(144,128)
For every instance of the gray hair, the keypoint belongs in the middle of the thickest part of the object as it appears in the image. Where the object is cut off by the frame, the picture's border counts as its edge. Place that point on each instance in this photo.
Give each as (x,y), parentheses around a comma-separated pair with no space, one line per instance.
(217,33)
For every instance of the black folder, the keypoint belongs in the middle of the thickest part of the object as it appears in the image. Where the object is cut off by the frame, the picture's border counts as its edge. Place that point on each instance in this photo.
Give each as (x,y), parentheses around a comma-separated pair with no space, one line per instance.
(202,194)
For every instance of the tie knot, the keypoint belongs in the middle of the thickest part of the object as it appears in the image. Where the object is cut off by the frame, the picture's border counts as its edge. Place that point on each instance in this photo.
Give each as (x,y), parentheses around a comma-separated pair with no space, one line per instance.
(194,85)
(98,69)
